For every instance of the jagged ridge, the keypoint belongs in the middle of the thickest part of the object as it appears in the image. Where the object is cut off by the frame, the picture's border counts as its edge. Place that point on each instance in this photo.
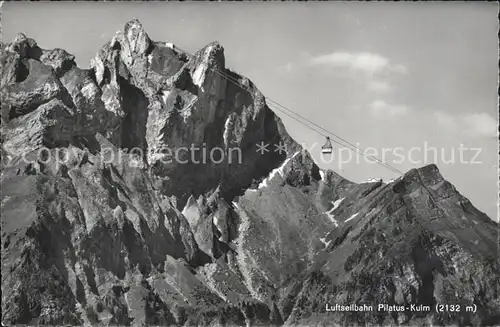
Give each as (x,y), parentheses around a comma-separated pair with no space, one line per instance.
(134,240)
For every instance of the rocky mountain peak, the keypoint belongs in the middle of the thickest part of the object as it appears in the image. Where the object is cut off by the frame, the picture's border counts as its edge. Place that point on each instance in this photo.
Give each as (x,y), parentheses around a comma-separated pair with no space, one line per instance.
(134,37)
(25,47)
(132,41)
(120,222)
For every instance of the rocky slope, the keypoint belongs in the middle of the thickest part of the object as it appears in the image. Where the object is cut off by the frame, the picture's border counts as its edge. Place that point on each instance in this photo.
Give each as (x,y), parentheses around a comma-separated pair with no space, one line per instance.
(99,227)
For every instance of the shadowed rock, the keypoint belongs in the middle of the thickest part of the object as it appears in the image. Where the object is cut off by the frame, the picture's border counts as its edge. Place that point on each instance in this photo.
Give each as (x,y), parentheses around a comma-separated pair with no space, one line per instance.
(94,232)
(59,60)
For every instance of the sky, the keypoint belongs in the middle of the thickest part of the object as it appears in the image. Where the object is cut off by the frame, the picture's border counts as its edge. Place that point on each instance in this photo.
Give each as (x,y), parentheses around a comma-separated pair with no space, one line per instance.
(412,83)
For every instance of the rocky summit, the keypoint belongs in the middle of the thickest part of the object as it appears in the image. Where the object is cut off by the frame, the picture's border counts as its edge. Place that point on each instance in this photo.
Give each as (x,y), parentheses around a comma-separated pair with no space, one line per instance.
(99,226)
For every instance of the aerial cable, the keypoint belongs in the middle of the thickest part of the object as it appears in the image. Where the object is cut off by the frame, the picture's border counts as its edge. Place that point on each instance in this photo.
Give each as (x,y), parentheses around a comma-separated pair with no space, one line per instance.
(277,106)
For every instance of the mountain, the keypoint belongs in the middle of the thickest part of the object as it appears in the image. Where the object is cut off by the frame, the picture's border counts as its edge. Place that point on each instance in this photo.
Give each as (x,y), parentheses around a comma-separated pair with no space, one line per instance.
(100,226)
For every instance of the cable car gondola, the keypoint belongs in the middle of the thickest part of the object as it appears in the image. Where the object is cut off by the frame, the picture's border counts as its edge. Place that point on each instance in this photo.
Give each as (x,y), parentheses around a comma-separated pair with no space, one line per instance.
(327,147)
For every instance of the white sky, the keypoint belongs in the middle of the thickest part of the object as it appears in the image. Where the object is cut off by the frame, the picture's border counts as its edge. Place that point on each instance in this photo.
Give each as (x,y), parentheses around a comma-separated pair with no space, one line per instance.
(381,75)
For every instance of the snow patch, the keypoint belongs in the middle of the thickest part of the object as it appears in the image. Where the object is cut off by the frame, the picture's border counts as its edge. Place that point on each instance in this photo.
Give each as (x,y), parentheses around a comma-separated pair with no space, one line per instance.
(336,204)
(323,239)
(218,224)
(275,171)
(322,174)
(225,135)
(170,45)
(271,176)
(373,180)
(352,217)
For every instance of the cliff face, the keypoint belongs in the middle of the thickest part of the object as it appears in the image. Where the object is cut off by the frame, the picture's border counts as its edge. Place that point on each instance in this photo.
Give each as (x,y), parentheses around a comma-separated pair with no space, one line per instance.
(102,226)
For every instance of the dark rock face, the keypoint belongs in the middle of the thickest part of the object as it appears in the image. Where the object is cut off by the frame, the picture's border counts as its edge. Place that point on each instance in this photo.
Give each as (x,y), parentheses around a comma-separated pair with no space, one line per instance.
(99,227)
(39,87)
(59,60)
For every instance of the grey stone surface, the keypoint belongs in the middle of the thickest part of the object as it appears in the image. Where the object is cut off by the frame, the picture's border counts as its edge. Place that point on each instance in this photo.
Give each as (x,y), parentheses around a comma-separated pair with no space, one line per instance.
(93,233)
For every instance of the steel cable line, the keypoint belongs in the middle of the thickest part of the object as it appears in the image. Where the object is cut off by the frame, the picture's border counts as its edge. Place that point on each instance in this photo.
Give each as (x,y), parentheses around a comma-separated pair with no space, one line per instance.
(277,106)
